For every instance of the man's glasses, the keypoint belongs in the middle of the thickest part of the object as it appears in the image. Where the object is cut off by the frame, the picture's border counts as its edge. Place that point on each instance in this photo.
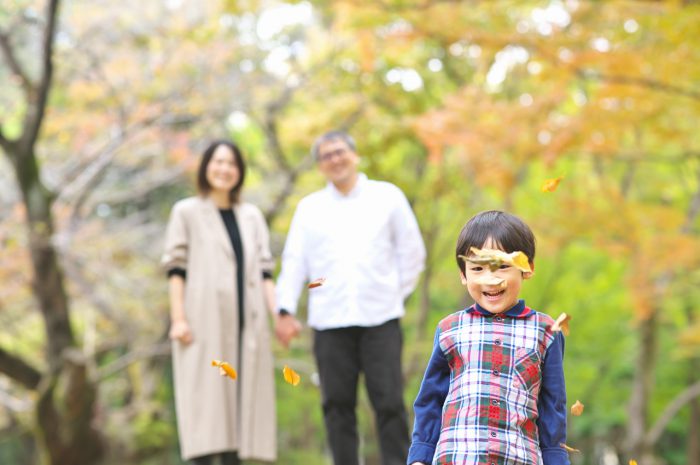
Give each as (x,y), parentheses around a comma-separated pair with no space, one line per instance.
(328,156)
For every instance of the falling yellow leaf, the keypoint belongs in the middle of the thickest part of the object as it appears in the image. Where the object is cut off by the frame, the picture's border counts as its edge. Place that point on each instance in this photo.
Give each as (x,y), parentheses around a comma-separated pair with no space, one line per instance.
(569,449)
(550,185)
(291,376)
(577,408)
(316,283)
(633,462)
(562,324)
(225,369)
(495,258)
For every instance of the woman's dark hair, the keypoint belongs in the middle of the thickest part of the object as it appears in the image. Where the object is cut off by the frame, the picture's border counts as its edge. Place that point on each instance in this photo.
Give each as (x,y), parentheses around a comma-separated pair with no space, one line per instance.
(203,184)
(508,231)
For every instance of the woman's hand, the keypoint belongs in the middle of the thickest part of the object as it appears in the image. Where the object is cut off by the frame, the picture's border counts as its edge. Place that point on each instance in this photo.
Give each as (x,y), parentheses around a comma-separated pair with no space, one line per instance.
(180,331)
(286,328)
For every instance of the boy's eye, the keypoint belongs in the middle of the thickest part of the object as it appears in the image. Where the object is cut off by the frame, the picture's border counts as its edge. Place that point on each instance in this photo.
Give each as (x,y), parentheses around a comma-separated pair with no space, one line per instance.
(476,268)
(504,266)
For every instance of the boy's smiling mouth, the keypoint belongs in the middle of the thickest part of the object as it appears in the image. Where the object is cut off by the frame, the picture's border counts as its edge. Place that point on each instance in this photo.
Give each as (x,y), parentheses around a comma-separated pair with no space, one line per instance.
(493,294)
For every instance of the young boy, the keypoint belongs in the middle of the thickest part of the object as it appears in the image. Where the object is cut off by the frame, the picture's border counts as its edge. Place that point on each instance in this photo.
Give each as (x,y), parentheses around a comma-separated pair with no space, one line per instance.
(493,392)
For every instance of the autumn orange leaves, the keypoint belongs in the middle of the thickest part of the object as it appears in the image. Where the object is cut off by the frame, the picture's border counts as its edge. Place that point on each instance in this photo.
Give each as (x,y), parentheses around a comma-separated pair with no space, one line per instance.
(290,376)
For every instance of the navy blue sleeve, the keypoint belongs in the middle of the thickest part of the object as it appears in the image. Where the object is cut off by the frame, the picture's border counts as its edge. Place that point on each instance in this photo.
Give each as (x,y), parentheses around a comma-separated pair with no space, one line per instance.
(428,406)
(551,405)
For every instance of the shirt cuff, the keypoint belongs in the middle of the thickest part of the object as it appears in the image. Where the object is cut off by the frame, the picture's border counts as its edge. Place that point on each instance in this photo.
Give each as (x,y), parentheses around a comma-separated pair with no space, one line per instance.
(177,272)
(421,452)
(555,456)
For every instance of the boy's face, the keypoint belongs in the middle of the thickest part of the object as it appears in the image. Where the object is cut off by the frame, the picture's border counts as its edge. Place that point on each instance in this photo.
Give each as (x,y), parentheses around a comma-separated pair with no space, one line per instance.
(495,291)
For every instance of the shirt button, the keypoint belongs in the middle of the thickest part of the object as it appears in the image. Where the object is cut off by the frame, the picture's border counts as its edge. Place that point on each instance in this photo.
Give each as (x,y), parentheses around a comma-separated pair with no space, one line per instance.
(493,434)
(497,341)
(498,318)
(494,402)
(495,372)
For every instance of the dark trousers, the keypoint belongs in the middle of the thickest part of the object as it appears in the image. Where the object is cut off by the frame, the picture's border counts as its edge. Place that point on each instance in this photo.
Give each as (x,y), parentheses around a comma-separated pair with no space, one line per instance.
(341,355)
(227,458)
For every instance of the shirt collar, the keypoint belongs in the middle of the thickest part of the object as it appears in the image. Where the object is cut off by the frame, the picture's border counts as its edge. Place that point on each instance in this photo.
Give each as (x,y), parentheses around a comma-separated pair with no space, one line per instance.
(359,185)
(519,310)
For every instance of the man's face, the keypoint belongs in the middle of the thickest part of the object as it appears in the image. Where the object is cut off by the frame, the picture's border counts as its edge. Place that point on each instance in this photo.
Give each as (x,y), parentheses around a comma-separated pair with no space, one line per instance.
(338,162)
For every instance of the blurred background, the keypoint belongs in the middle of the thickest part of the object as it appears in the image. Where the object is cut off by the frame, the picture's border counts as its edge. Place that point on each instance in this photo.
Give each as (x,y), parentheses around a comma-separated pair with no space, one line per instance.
(105,107)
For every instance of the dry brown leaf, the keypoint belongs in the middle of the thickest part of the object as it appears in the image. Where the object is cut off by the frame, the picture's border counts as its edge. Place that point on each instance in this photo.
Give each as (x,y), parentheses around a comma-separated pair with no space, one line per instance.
(490,280)
(291,376)
(495,258)
(569,449)
(316,283)
(562,324)
(225,369)
(577,408)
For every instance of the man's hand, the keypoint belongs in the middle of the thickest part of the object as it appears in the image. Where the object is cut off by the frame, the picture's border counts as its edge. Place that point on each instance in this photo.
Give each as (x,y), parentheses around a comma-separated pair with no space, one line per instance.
(180,331)
(286,328)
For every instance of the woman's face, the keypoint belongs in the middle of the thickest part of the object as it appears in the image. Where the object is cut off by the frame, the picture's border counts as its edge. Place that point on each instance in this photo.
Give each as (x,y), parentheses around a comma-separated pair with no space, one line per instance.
(222,171)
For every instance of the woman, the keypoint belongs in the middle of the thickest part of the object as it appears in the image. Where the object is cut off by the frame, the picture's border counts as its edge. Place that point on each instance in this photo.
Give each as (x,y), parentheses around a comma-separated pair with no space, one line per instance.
(219,265)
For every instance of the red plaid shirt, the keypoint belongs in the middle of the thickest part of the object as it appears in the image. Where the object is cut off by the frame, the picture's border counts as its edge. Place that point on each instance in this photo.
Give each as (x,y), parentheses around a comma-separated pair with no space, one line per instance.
(493,392)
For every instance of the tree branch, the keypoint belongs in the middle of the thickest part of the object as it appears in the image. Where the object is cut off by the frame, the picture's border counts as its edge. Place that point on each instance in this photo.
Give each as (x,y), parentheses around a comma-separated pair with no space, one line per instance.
(36,104)
(156,350)
(679,402)
(14,64)
(638,81)
(19,370)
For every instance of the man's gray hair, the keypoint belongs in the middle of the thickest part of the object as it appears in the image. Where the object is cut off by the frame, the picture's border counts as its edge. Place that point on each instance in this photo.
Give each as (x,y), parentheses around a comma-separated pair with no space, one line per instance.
(329,136)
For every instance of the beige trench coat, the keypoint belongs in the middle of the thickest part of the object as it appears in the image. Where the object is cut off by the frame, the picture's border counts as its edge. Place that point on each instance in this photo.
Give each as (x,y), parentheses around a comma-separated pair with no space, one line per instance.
(215,413)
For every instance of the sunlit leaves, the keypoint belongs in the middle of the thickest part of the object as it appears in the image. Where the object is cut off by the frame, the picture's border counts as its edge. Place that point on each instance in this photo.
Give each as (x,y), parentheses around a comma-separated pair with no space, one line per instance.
(290,376)
(225,369)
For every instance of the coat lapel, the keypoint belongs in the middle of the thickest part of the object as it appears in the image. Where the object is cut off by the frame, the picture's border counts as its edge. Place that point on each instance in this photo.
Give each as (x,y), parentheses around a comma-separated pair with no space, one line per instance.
(244,225)
(218,228)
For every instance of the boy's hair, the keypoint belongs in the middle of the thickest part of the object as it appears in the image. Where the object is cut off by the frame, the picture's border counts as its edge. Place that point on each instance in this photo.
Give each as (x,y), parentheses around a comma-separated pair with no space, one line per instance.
(508,231)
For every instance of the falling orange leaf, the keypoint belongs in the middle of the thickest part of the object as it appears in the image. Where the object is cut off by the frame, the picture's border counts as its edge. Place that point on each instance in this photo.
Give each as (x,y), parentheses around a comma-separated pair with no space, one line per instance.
(633,462)
(291,376)
(495,258)
(577,408)
(562,324)
(316,283)
(225,369)
(569,449)
(550,185)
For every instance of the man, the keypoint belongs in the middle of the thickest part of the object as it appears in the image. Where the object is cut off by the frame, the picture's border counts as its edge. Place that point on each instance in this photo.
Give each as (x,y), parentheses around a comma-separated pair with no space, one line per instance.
(361,236)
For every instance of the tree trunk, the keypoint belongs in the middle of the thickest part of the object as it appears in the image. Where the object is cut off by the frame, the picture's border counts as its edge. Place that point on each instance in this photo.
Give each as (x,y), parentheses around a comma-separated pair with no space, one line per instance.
(693,447)
(635,446)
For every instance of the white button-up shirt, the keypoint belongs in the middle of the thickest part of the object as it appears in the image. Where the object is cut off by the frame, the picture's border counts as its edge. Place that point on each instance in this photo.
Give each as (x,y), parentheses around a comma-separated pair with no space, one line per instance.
(366,245)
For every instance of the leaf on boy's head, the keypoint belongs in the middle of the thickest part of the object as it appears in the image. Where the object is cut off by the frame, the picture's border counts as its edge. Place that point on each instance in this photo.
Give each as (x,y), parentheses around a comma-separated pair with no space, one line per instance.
(495,258)
(225,369)
(562,324)
(290,376)
(633,462)
(550,185)
(577,408)
(316,283)
(568,449)
(490,280)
